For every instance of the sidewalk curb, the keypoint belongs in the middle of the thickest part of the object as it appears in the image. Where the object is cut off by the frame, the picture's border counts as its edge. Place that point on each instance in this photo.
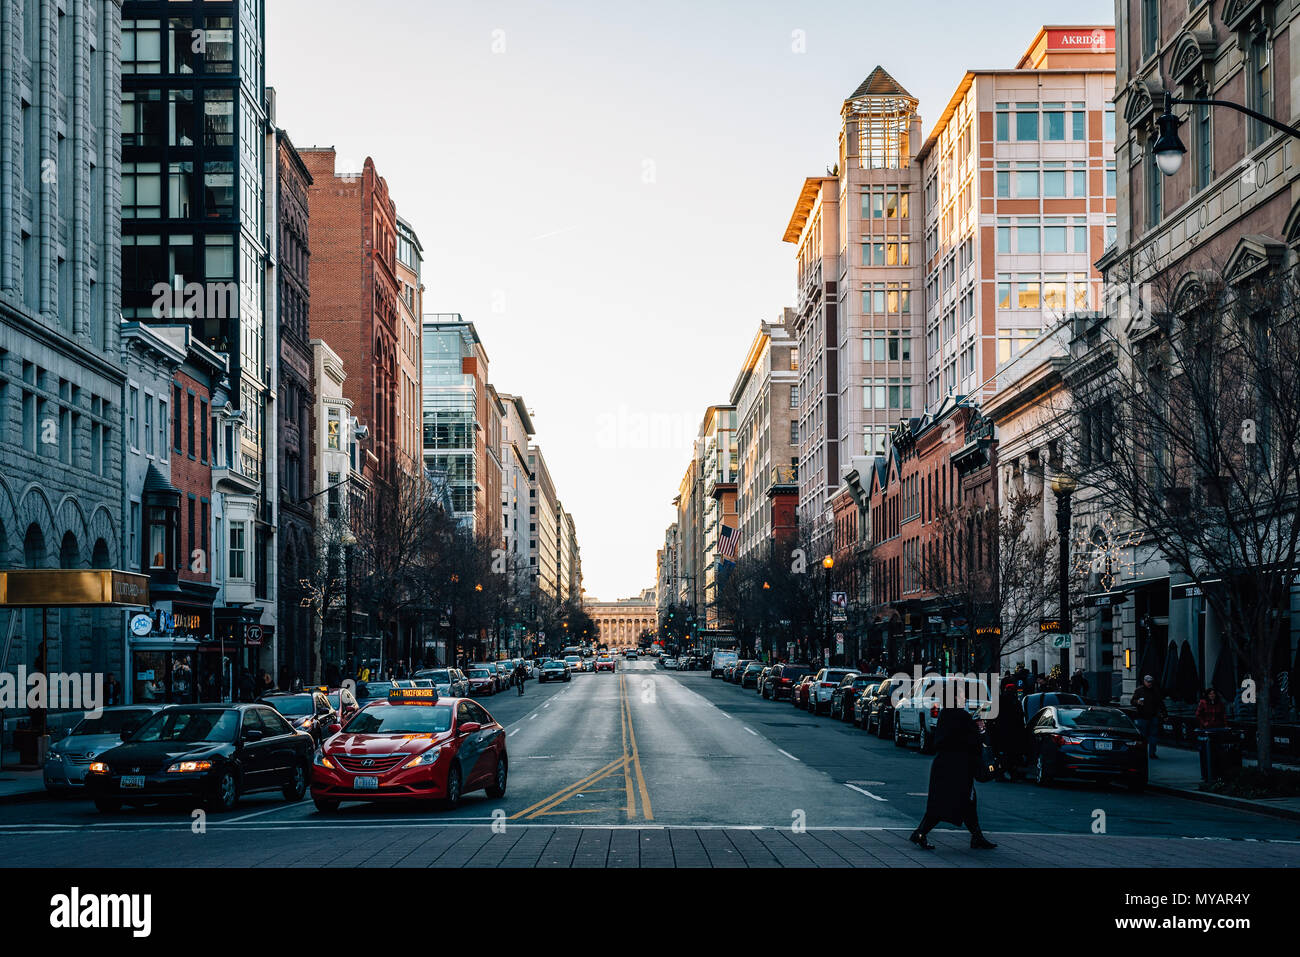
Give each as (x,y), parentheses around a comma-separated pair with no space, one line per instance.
(27,797)
(1241,804)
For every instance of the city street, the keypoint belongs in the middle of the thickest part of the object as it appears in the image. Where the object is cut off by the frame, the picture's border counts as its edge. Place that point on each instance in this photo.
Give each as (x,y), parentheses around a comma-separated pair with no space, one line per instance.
(652,768)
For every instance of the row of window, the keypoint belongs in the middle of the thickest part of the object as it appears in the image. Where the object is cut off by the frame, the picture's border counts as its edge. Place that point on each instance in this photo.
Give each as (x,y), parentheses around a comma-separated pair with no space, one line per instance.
(1053,181)
(1047,235)
(1056,292)
(1047,122)
(193,45)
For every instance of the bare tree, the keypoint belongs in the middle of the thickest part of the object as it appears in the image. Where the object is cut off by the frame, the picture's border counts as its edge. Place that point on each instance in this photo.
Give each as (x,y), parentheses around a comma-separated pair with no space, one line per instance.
(1192,435)
(322,589)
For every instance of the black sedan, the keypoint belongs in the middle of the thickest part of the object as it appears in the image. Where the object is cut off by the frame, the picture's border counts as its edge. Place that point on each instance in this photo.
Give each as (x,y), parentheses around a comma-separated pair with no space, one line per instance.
(878,710)
(844,699)
(749,677)
(1087,742)
(555,670)
(207,753)
(1036,702)
(308,711)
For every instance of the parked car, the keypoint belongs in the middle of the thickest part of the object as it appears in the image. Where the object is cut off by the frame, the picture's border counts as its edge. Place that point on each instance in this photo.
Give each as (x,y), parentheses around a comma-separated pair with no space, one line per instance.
(209,753)
(763,676)
(631,654)
(780,684)
(844,699)
(1087,742)
(823,686)
(450,682)
(670,664)
(68,759)
(916,715)
(879,709)
(799,697)
(1036,702)
(736,672)
(482,680)
(749,677)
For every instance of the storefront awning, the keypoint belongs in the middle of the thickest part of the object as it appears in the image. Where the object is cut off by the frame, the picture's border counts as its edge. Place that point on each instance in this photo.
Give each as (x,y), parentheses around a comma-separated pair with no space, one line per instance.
(73,588)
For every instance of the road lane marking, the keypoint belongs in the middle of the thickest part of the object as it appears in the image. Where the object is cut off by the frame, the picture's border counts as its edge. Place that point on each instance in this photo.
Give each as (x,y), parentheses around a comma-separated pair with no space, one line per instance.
(788,754)
(752,731)
(245,817)
(629,807)
(646,811)
(513,733)
(874,797)
(531,717)
(567,792)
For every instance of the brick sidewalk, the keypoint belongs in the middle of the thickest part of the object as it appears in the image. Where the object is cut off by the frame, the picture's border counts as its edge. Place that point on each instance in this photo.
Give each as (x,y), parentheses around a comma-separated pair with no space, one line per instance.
(540,846)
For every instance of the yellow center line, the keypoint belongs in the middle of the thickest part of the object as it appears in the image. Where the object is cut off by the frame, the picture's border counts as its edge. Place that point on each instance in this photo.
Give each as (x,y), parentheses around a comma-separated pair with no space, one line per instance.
(627,772)
(571,789)
(574,791)
(636,760)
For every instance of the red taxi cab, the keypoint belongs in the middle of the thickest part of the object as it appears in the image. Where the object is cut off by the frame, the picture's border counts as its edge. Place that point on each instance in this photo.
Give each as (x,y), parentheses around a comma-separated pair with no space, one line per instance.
(604,662)
(412,745)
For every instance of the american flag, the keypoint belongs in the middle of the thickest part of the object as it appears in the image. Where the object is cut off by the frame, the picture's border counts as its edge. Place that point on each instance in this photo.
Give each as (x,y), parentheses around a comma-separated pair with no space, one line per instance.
(728,540)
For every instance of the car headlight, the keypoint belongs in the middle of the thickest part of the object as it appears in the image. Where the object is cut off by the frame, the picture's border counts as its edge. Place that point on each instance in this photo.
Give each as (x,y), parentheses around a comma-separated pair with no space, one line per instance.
(423,760)
(97,767)
(321,761)
(189,767)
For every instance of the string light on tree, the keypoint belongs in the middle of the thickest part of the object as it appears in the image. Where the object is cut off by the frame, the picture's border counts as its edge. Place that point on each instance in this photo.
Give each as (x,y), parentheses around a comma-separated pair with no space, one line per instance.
(1109,551)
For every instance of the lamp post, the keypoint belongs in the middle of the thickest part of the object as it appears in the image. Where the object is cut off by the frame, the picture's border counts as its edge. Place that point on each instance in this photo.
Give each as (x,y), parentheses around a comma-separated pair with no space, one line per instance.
(349,544)
(828,563)
(1064,485)
(1169,149)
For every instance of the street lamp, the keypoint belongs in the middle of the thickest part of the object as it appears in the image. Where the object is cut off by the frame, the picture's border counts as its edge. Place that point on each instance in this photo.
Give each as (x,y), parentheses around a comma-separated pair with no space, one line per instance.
(349,544)
(828,563)
(1168,147)
(1064,485)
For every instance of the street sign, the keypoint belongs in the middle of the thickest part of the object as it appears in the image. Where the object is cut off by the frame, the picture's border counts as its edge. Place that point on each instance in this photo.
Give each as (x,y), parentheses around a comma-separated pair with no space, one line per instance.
(252,635)
(1061,641)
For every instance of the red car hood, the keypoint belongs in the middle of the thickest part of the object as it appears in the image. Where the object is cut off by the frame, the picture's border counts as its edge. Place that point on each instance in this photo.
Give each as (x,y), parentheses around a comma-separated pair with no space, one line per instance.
(378,744)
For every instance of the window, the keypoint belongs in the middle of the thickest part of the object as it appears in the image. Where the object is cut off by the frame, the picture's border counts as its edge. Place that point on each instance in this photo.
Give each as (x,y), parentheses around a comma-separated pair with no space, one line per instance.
(1110,181)
(1027,288)
(1026,183)
(1054,239)
(133,539)
(1054,292)
(1204,147)
(1004,292)
(141,190)
(1078,123)
(1004,239)
(176,421)
(237,550)
(219,190)
(794,397)
(873,393)
(133,417)
(1026,122)
(148,424)
(203,430)
(1054,121)
(141,46)
(1108,124)
(1260,79)
(1027,239)
(1079,182)
(1002,123)
(218,117)
(1003,179)
(1150,27)
(333,427)
(1054,183)
(219,44)
(162,428)
(794,432)
(189,437)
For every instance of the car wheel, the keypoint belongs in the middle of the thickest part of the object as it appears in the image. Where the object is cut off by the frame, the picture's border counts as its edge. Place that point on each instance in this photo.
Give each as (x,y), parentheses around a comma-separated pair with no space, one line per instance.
(1041,775)
(498,788)
(927,741)
(452,801)
(325,805)
(898,737)
(226,793)
(107,805)
(297,786)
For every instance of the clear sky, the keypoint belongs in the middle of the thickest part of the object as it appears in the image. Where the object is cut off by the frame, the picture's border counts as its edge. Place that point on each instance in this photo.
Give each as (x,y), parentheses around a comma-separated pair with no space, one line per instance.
(601,187)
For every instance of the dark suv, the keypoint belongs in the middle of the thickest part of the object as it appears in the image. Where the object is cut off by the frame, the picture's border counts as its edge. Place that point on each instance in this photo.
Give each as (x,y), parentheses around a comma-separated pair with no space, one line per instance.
(783,679)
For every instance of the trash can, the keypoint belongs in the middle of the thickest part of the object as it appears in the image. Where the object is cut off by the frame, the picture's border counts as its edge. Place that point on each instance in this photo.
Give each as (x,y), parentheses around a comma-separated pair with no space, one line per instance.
(1220,750)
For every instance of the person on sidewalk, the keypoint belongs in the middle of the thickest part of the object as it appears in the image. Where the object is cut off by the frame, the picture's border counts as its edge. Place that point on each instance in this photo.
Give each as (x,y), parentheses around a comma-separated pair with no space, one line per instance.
(1009,732)
(958,750)
(1150,705)
(1210,711)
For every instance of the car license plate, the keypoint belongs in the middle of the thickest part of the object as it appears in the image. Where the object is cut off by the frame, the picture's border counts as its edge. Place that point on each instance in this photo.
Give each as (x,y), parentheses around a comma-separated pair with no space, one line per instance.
(1103,745)
(366,784)
(133,780)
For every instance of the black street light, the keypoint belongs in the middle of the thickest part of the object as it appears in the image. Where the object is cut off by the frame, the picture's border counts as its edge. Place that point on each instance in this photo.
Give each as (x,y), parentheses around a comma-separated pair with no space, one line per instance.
(1064,485)
(1169,149)
(349,544)
(828,563)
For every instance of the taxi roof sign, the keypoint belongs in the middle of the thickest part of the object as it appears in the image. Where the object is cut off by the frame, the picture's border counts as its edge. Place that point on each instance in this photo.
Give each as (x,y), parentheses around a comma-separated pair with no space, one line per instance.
(412,695)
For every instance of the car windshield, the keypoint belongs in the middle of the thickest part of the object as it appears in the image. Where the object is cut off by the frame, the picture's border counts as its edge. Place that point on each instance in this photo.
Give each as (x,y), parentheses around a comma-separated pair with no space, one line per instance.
(553,666)
(188,726)
(1094,718)
(790,671)
(479,673)
(441,677)
(110,722)
(837,675)
(293,705)
(573,658)
(375,689)
(401,719)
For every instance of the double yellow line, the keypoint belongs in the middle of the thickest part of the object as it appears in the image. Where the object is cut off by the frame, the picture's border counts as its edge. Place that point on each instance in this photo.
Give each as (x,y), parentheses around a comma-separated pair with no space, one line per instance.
(629,764)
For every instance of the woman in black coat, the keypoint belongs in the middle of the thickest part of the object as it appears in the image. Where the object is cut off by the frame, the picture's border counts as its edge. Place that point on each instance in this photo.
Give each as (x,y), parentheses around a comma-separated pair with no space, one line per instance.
(1009,732)
(958,750)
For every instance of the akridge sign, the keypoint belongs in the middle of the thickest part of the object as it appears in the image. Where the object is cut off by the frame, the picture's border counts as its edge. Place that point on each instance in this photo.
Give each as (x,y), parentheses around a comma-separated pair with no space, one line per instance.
(1074,41)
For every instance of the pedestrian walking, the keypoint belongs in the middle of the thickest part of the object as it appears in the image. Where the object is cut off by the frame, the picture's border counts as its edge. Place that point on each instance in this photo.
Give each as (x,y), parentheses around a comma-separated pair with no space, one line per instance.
(1009,733)
(1078,683)
(958,751)
(1210,711)
(112,691)
(1150,705)
(521,675)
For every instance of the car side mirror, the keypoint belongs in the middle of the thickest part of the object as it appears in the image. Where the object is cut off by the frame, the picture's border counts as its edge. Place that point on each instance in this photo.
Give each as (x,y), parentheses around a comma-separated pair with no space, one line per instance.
(469,727)
(251,735)
(335,728)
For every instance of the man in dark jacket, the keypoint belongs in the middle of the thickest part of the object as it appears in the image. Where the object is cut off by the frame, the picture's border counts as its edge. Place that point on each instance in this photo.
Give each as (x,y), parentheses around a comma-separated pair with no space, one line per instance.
(1149,703)
(1009,732)
(958,749)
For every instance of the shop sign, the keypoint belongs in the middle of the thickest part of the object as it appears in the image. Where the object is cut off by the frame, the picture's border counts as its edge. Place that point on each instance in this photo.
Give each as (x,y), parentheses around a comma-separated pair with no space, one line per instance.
(141,625)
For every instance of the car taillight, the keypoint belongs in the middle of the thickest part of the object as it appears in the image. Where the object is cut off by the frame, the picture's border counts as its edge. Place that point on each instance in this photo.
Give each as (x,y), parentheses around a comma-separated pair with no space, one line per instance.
(934,711)
(1060,739)
(785,681)
(827,685)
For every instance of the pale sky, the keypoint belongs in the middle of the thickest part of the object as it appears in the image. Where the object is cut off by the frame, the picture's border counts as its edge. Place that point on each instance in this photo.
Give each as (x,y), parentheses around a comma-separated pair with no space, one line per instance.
(601,187)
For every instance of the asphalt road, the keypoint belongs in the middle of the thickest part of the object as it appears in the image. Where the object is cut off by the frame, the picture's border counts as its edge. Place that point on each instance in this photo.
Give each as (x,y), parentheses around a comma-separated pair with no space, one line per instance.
(653,767)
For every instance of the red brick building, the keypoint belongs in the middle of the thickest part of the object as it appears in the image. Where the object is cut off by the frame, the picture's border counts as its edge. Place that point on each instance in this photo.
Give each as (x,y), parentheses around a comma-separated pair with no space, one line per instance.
(352,234)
